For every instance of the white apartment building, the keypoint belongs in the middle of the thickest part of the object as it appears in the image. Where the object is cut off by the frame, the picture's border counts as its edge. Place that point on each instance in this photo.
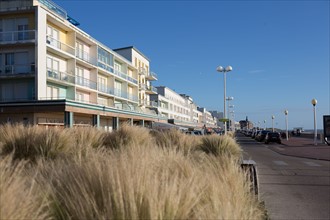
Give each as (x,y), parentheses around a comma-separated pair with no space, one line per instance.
(178,108)
(207,118)
(53,73)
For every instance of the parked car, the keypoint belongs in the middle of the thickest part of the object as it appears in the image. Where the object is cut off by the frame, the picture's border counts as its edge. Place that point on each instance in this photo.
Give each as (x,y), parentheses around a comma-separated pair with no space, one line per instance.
(261,135)
(273,137)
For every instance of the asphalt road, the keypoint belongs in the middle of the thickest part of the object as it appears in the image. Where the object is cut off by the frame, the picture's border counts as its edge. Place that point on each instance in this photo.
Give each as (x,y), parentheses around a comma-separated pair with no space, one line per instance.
(291,187)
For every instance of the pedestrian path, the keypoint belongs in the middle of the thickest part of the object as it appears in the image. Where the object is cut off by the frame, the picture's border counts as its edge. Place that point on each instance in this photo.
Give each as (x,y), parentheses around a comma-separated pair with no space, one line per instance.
(302,147)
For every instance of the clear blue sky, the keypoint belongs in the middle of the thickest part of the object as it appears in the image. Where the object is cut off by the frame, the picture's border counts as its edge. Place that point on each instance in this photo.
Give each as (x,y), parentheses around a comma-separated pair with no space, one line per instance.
(279,50)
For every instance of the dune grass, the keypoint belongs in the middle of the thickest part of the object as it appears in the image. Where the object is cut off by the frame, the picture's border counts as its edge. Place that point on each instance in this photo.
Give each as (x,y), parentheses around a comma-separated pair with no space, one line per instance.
(132,173)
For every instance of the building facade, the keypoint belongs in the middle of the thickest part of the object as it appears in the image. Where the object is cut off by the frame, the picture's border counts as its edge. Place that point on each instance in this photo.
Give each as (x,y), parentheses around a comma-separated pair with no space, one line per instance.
(53,73)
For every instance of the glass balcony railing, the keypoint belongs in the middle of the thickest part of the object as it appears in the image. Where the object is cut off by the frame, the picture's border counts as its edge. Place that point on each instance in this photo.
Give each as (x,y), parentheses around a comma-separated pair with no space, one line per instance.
(55,8)
(62,76)
(133,97)
(125,76)
(152,89)
(105,89)
(17,36)
(17,69)
(85,82)
(120,93)
(60,45)
(83,55)
(151,76)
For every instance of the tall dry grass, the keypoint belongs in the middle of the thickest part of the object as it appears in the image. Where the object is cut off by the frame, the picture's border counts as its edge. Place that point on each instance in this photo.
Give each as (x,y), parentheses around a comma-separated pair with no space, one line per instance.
(20,196)
(137,174)
(221,146)
(33,142)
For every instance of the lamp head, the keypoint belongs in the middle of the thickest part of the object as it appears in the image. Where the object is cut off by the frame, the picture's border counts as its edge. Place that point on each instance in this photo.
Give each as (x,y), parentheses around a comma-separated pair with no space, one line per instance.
(286,112)
(220,69)
(314,102)
(229,68)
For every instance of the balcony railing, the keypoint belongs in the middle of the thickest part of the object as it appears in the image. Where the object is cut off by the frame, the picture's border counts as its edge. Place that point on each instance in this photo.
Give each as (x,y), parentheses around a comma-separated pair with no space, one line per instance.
(17,69)
(133,97)
(105,89)
(152,89)
(151,76)
(60,45)
(132,80)
(62,76)
(55,8)
(85,56)
(85,82)
(12,37)
(120,93)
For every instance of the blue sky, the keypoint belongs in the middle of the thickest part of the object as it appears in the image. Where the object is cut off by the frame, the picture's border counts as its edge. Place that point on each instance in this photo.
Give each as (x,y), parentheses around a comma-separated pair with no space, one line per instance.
(279,50)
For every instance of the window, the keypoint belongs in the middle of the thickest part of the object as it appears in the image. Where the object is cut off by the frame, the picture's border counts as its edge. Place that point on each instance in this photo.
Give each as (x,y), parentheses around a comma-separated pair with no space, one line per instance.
(53,36)
(9,62)
(80,76)
(80,96)
(80,50)
(53,67)
(117,88)
(102,84)
(53,92)
(117,67)
(105,57)
(22,27)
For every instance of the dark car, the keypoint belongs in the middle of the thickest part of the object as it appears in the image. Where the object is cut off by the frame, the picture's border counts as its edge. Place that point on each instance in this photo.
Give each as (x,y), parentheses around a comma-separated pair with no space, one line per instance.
(273,137)
(261,135)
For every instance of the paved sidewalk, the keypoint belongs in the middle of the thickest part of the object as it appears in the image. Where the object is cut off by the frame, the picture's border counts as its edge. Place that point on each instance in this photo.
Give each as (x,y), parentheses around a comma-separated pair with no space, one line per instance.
(303,147)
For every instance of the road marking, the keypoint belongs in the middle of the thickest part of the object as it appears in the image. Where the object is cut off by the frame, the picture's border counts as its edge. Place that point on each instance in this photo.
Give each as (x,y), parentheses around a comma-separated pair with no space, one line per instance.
(279,162)
(312,164)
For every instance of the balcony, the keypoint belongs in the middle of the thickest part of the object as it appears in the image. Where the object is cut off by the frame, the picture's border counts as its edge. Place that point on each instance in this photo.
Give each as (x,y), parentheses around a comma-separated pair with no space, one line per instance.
(142,86)
(17,70)
(13,37)
(85,82)
(120,93)
(142,71)
(83,55)
(151,76)
(105,89)
(60,45)
(151,90)
(61,76)
(133,98)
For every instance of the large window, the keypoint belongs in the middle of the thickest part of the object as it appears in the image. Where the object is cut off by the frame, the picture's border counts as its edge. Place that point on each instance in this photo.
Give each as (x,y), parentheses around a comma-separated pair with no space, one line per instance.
(105,59)
(53,36)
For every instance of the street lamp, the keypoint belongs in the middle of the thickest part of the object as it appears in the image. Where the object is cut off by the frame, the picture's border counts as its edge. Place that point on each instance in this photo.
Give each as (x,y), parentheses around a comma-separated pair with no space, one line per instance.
(286,112)
(314,102)
(224,70)
(264,124)
(273,117)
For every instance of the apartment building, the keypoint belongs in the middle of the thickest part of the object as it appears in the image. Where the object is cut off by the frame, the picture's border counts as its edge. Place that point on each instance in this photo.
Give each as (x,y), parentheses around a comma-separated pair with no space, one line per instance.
(54,74)
(145,76)
(178,108)
(207,118)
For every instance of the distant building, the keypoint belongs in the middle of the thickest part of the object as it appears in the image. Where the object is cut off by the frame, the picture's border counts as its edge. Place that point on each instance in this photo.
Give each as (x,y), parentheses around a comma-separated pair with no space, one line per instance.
(178,108)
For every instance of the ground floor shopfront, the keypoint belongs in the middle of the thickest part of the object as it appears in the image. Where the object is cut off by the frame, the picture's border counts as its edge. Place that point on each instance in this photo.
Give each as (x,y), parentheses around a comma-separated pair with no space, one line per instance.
(69,114)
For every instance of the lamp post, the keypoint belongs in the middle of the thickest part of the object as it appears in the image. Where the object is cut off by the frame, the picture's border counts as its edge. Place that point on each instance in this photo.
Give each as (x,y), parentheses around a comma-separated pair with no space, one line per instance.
(314,102)
(230,98)
(273,117)
(224,70)
(264,124)
(286,112)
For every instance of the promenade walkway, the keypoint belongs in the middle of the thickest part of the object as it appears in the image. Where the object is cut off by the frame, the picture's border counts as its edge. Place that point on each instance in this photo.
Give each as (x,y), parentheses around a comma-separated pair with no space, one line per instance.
(303,147)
